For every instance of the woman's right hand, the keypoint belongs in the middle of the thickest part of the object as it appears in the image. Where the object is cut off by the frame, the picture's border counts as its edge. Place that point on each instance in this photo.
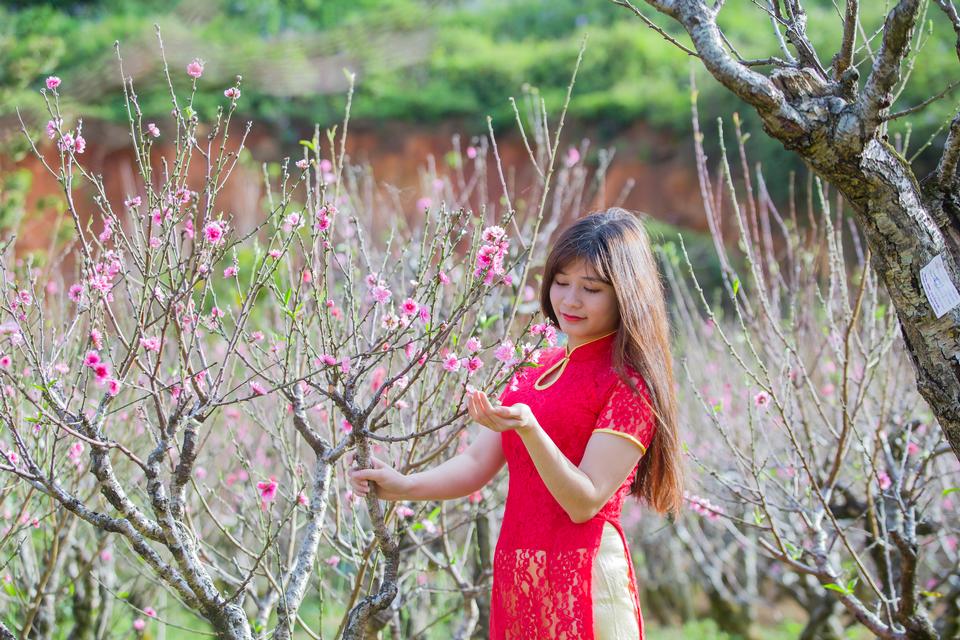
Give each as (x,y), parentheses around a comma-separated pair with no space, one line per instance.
(391,484)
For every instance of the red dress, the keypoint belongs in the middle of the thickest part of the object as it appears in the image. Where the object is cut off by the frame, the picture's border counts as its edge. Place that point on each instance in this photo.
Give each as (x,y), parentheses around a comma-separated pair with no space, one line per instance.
(542,568)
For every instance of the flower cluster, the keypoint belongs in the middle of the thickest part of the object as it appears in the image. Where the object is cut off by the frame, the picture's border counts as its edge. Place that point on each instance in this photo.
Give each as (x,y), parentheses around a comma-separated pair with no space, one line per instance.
(547,330)
(101,370)
(703,506)
(491,254)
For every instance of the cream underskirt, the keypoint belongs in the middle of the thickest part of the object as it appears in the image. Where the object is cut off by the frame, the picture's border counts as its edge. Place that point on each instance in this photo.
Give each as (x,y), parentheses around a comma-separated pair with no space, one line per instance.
(614,615)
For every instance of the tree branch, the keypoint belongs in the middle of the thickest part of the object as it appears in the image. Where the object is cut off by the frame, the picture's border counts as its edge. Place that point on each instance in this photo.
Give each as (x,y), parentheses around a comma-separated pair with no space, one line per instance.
(951,11)
(876,96)
(947,168)
(845,56)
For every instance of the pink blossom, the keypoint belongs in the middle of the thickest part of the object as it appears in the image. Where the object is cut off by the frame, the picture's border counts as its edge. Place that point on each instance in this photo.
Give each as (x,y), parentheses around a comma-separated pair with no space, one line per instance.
(444,278)
(132,201)
(53,82)
(493,234)
(424,315)
(345,425)
(106,556)
(107,232)
(213,232)
(215,313)
(912,448)
(505,352)
(233,93)
(150,611)
(230,271)
(257,336)
(883,480)
(195,68)
(328,359)
(151,344)
(92,358)
(302,499)
(96,338)
(13,457)
(5,361)
(302,164)
(827,389)
(26,298)
(762,400)
(451,362)
(572,158)
(409,307)
(75,292)
(473,344)
(113,386)
(333,561)
(345,365)
(275,253)
(473,364)
(153,130)
(471,152)
(139,624)
(403,511)
(381,294)
(421,578)
(257,388)
(53,126)
(703,506)
(268,489)
(66,142)
(424,203)
(79,144)
(476,497)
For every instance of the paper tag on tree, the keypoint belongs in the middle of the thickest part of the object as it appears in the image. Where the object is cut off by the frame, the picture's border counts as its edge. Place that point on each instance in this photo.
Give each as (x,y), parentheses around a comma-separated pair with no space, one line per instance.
(939,288)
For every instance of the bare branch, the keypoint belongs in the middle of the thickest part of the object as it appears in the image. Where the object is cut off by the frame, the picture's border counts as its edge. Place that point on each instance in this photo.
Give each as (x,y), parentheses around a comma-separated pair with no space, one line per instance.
(947,169)
(654,26)
(951,11)
(906,112)
(876,95)
(844,57)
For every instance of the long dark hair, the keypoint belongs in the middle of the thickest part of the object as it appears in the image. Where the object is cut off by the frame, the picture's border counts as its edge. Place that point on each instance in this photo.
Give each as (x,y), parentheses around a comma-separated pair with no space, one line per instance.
(616,245)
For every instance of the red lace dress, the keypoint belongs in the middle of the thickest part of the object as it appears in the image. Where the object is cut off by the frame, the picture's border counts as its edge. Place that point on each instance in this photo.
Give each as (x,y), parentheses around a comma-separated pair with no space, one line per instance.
(542,568)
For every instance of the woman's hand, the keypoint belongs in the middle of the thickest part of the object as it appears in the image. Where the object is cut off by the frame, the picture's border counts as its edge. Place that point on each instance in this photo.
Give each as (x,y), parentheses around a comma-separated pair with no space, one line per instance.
(518,417)
(391,484)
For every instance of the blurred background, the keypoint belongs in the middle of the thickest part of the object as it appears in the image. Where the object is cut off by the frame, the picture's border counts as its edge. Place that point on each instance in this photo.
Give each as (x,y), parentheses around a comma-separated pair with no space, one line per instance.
(425,71)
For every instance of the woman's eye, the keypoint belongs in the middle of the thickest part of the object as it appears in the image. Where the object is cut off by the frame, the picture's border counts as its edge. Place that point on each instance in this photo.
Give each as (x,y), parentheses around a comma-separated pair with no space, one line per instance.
(560,284)
(590,290)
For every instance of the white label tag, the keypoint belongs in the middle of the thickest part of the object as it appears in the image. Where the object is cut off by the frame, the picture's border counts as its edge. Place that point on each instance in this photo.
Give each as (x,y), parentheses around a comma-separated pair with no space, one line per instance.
(939,288)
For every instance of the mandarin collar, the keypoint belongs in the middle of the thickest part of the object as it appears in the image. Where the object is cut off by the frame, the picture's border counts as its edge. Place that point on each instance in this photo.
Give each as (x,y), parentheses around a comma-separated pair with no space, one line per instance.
(592,349)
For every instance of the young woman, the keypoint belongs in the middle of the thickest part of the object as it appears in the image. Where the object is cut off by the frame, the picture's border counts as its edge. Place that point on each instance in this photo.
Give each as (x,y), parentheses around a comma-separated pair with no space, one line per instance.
(572,431)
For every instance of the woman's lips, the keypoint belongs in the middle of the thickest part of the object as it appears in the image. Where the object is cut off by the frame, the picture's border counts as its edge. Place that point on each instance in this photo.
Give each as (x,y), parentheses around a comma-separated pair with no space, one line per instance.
(571,318)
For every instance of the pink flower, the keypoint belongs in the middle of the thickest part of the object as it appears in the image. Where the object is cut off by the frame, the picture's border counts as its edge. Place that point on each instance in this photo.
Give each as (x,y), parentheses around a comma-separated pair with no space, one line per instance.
(79,145)
(424,315)
(75,292)
(471,152)
(53,82)
(5,361)
(381,294)
(302,499)
(91,359)
(233,93)
(213,232)
(333,561)
(195,68)
(257,336)
(505,352)
(473,364)
(257,388)
(151,344)
(409,307)
(275,253)
(302,164)
(883,480)
(762,400)
(76,450)
(131,202)
(403,511)
(451,363)
(150,611)
(153,130)
(345,426)
(493,234)
(345,365)
(139,624)
(268,489)
(230,271)
(113,387)
(52,126)
(66,142)
(96,338)
(912,449)
(473,344)
(423,203)
(573,157)
(444,278)
(328,359)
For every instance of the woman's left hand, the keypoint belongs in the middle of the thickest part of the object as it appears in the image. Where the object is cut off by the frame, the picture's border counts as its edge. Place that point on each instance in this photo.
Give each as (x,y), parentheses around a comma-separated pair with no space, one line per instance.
(518,417)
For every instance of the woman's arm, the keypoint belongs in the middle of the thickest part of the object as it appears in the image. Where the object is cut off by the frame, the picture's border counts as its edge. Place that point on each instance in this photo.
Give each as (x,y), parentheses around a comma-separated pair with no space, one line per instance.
(459,476)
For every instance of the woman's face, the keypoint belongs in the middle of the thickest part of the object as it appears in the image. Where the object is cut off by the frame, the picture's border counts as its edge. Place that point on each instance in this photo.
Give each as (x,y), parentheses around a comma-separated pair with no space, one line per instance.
(585,305)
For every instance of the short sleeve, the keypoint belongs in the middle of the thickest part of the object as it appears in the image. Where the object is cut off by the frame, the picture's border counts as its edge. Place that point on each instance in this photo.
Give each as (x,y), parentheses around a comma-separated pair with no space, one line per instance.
(628,414)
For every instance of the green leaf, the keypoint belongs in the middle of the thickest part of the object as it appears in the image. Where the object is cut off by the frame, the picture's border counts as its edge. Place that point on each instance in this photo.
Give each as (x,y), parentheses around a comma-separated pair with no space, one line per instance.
(947,492)
(10,589)
(839,589)
(123,595)
(309,145)
(433,514)
(736,286)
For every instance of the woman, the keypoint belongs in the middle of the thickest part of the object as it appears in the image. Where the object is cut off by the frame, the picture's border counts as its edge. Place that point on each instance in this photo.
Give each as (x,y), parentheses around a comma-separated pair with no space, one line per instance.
(593,422)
